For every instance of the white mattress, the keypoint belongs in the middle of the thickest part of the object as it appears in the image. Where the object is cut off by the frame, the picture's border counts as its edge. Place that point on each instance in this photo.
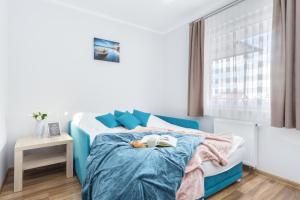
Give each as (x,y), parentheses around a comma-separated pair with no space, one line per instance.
(235,158)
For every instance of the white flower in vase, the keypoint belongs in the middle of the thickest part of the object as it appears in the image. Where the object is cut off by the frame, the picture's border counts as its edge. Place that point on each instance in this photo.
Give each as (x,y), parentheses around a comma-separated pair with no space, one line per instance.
(40,122)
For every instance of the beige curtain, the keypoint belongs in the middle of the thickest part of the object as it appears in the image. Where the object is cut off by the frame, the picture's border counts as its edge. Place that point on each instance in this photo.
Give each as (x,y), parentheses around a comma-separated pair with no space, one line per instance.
(285,67)
(196,54)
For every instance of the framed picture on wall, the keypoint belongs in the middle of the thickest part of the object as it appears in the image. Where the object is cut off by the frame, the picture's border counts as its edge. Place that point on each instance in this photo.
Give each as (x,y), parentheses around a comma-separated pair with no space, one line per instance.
(54,129)
(106,50)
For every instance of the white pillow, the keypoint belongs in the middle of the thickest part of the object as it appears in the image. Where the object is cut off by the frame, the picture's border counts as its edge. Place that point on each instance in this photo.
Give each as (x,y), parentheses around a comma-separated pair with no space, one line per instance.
(156,122)
(89,124)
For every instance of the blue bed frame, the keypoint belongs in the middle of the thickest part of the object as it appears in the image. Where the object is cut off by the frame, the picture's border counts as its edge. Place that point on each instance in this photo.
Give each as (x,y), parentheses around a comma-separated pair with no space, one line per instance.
(212,184)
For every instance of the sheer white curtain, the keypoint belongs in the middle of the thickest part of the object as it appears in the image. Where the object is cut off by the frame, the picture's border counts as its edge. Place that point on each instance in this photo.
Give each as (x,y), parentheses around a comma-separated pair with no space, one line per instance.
(237,62)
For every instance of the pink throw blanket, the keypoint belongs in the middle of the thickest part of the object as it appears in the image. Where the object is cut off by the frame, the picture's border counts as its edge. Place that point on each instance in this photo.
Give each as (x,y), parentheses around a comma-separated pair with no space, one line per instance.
(215,149)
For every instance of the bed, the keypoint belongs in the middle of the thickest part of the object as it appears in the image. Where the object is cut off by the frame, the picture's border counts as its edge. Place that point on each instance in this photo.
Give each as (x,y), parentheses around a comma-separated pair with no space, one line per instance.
(215,178)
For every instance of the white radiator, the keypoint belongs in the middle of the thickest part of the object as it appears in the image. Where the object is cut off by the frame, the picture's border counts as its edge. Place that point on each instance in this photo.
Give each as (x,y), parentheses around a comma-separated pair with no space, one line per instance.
(246,130)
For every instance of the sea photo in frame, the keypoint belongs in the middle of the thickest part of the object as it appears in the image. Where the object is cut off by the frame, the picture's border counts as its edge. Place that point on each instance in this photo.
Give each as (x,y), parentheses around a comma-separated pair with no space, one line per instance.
(54,129)
(106,50)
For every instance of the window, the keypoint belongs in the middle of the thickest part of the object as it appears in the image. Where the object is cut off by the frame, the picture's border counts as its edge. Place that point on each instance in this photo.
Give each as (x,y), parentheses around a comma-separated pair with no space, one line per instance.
(237,62)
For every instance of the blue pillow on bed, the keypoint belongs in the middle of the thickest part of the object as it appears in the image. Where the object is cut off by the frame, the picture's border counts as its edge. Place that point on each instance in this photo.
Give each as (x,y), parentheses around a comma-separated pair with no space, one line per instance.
(142,116)
(108,120)
(128,120)
(118,113)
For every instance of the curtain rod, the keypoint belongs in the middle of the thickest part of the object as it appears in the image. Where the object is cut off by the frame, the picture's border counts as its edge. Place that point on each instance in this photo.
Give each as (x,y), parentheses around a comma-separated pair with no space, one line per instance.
(219,10)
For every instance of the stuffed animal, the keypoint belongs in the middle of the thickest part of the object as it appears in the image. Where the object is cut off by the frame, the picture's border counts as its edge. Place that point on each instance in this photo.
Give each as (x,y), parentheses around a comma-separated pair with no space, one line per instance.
(138,144)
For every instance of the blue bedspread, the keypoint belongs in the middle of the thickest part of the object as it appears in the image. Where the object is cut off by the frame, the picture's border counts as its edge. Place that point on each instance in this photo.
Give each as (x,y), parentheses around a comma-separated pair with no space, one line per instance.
(115,170)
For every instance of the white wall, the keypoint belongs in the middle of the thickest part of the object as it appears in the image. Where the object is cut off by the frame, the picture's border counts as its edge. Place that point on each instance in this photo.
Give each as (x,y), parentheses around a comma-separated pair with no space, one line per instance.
(279,151)
(52,67)
(176,81)
(3,75)
(278,147)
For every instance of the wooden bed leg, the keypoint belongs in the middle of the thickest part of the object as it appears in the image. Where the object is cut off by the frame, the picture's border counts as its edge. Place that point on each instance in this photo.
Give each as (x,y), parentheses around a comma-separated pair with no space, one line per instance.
(239,180)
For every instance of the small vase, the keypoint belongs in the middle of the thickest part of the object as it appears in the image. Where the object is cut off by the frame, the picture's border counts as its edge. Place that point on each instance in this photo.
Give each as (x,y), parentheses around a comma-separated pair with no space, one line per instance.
(40,128)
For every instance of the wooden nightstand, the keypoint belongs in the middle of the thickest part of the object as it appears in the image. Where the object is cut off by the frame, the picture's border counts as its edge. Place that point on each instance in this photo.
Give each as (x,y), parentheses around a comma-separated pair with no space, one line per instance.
(40,159)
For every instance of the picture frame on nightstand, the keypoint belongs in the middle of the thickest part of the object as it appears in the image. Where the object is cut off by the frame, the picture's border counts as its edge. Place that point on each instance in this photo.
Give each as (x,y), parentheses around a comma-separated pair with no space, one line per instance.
(54,129)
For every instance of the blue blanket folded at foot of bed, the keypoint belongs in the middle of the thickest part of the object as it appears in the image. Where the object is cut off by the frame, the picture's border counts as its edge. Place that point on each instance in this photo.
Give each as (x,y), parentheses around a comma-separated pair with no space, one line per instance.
(115,170)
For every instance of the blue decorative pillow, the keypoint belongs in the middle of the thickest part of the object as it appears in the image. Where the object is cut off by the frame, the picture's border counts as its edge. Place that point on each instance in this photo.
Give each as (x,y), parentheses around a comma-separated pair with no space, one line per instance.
(118,113)
(128,120)
(142,116)
(108,120)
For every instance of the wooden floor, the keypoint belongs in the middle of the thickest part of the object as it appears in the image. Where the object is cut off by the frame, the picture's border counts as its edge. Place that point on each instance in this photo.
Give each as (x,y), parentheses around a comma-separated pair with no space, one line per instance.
(51,183)
(43,183)
(256,186)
